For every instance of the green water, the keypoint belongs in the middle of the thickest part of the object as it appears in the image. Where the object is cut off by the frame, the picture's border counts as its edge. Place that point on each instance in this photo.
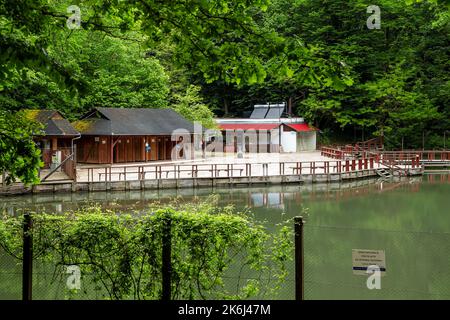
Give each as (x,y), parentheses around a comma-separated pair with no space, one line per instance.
(409,220)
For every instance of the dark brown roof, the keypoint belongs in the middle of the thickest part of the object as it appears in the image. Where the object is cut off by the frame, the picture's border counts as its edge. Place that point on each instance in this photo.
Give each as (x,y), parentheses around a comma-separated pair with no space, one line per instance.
(133,121)
(53,121)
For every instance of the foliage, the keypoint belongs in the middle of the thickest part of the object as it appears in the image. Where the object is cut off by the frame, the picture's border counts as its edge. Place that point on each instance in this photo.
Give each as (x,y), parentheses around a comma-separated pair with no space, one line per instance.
(341,76)
(122,252)
(191,106)
(317,55)
(19,156)
(121,76)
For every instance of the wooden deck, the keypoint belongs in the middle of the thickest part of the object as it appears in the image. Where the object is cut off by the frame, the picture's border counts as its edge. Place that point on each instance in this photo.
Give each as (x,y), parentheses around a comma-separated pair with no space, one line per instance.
(228,172)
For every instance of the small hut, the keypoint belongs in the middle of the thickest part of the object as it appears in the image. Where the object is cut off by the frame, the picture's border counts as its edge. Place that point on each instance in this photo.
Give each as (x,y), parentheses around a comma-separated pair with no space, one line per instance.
(58,134)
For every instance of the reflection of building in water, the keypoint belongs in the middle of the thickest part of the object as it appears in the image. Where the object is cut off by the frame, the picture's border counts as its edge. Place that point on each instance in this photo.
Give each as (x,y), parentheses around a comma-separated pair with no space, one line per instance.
(276,197)
(438,178)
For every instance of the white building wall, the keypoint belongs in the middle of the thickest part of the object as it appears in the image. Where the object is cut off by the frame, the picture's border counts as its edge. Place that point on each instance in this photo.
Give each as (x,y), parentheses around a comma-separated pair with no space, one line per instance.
(306,141)
(289,141)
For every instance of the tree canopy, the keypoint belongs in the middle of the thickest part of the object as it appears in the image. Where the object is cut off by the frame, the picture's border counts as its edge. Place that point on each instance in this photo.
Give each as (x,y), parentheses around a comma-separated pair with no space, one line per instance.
(19,156)
(220,57)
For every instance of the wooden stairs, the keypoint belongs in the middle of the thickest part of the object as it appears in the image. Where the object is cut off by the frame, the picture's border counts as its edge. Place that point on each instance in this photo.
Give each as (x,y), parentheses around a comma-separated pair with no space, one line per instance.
(384,173)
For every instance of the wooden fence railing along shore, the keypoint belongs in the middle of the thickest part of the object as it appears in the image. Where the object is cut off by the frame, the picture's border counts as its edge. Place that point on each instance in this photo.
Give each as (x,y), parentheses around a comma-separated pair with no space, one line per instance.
(422,155)
(367,158)
(180,171)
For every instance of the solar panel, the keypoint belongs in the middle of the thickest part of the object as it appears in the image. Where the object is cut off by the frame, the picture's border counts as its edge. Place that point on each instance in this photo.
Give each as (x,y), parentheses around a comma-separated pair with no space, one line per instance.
(275,111)
(259,111)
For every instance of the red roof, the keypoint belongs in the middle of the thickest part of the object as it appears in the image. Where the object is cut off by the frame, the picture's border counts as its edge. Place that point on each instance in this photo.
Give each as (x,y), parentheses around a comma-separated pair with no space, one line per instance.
(300,127)
(248,126)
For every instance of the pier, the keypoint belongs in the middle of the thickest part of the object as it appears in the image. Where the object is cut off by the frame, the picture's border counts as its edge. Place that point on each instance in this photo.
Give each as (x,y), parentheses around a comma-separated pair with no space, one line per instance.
(322,167)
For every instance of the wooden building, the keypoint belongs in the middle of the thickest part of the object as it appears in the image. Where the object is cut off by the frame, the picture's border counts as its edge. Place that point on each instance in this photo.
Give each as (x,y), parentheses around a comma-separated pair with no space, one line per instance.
(114,135)
(57,136)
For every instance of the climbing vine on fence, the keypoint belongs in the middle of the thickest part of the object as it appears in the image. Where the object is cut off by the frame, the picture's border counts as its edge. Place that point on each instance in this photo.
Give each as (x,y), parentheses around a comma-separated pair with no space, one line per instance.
(121,252)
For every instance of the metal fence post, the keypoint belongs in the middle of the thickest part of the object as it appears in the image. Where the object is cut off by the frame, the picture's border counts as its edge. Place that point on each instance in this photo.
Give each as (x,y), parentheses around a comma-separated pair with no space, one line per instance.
(299,266)
(166,259)
(27,268)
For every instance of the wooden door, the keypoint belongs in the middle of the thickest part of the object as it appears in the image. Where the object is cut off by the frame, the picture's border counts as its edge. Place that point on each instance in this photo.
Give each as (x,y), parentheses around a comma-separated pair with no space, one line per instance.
(154,148)
(168,145)
(139,148)
(129,147)
(161,149)
(120,150)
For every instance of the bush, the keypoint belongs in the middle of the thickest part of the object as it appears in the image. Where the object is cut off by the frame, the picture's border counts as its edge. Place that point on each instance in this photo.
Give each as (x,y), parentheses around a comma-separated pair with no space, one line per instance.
(122,252)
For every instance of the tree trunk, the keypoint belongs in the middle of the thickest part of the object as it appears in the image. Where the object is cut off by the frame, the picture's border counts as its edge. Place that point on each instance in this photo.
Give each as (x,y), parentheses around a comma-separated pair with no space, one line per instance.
(225,106)
(289,110)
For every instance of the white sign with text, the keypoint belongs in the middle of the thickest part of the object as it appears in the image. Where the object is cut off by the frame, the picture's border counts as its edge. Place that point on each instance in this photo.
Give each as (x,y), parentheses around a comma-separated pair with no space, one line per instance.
(364,258)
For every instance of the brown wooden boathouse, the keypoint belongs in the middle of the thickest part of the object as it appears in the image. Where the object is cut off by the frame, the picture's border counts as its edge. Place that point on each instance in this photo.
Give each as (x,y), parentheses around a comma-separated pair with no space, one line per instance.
(113,135)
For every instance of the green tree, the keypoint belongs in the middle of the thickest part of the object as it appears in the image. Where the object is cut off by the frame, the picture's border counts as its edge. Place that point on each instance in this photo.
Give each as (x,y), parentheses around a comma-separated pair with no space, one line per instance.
(19,156)
(190,105)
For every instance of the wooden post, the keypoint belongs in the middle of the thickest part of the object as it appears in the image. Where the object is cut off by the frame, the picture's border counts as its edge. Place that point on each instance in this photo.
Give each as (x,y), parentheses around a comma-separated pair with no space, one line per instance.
(74,161)
(166,258)
(27,267)
(54,144)
(299,261)
(111,151)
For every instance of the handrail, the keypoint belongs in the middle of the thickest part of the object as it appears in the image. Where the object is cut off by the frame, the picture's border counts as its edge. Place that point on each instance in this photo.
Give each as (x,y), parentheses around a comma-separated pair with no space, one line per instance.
(398,161)
(225,170)
(59,166)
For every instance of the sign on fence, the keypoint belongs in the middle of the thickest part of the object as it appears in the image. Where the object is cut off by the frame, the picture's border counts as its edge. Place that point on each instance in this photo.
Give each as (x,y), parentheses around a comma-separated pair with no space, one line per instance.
(363,258)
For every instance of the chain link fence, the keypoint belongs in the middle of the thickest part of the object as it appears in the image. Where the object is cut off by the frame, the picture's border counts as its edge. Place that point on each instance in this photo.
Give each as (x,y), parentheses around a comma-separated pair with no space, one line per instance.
(26,274)
(417,267)
(417,263)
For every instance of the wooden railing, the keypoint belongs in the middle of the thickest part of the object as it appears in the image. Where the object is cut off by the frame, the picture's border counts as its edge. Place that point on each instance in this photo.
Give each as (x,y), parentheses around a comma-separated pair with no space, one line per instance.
(68,165)
(396,161)
(179,171)
(346,152)
(438,155)
(333,153)
(405,155)
(371,144)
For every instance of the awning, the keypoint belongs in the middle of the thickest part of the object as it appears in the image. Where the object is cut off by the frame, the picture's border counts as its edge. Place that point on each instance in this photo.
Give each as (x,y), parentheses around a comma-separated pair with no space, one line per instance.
(300,127)
(248,126)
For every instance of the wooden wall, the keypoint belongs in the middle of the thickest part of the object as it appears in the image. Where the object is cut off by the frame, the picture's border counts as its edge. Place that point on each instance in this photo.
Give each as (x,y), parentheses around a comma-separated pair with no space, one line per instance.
(92,149)
(126,149)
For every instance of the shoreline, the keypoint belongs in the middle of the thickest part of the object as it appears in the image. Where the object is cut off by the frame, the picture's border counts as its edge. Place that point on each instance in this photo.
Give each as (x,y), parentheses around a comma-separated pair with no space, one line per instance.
(191,183)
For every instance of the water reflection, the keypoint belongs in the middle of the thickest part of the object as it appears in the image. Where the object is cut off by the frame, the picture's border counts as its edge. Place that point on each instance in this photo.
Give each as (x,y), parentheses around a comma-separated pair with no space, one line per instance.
(407,218)
(279,198)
